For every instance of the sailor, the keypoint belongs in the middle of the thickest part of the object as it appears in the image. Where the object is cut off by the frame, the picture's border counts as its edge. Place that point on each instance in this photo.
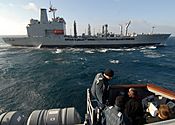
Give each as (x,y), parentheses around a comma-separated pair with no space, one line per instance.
(114,114)
(133,108)
(100,86)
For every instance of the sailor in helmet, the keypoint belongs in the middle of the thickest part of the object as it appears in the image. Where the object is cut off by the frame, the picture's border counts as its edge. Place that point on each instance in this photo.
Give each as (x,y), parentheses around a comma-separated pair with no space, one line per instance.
(100,86)
(114,114)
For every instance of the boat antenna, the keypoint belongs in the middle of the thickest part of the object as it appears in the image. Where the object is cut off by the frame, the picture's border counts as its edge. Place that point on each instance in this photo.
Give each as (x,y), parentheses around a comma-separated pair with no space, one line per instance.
(52,9)
(126,27)
(153,29)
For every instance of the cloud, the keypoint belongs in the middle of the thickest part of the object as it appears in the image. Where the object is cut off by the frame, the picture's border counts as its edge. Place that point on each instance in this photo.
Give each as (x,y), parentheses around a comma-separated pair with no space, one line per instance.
(31,6)
(11,4)
(12,27)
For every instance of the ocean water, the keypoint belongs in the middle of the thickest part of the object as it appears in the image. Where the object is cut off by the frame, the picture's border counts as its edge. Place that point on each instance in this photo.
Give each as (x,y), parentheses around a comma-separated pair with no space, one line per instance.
(32,78)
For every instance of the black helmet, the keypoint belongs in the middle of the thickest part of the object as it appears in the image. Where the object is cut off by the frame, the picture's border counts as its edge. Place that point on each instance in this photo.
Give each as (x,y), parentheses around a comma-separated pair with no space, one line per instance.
(109,72)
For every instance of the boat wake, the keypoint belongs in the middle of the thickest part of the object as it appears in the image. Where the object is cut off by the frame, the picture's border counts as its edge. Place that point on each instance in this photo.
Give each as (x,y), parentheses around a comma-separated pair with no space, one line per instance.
(152,47)
(3,44)
(148,47)
(151,53)
(39,46)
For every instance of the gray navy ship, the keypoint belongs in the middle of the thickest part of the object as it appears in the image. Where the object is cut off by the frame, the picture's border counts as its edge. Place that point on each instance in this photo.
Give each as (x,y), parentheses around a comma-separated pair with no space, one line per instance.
(45,33)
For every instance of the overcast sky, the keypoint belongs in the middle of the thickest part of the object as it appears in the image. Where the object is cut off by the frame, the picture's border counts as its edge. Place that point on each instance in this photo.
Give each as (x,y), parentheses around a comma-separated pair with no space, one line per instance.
(144,14)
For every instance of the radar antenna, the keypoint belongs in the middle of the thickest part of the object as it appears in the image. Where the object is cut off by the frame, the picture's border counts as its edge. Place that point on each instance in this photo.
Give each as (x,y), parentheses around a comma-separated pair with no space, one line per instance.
(153,29)
(52,9)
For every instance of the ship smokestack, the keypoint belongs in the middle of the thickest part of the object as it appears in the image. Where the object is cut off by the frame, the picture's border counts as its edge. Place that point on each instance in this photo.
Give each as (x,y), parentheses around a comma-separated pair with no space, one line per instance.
(106,29)
(43,17)
(89,30)
(103,31)
(75,30)
(121,30)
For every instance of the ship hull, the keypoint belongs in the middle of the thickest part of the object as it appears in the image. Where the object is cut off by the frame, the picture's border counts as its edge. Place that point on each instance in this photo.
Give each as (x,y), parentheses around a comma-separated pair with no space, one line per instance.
(53,42)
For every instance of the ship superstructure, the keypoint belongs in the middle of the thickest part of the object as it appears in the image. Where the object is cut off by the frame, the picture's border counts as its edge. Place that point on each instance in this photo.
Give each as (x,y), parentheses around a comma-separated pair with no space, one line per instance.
(45,28)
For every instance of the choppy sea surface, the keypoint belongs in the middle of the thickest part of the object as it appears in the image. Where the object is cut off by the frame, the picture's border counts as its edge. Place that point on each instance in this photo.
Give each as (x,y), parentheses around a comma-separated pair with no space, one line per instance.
(32,78)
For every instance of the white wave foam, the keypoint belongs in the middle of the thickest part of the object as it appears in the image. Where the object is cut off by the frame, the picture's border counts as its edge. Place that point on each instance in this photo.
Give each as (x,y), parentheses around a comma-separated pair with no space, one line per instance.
(154,56)
(133,49)
(116,49)
(89,51)
(39,46)
(3,45)
(135,61)
(83,59)
(75,49)
(130,49)
(142,48)
(103,50)
(123,49)
(151,54)
(3,51)
(46,62)
(148,47)
(58,51)
(114,61)
(152,47)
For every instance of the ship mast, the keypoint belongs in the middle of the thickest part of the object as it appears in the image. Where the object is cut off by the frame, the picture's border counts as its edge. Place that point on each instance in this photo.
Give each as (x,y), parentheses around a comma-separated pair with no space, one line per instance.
(106,30)
(103,31)
(75,30)
(89,30)
(153,29)
(53,10)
